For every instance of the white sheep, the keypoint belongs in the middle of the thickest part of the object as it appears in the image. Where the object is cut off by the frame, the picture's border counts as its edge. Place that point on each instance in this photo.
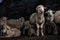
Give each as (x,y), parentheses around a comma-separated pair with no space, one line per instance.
(38,19)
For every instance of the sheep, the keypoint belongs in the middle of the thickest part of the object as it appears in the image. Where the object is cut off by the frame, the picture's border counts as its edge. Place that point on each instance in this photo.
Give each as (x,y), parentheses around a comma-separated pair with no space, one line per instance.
(51,20)
(10,32)
(38,18)
(16,23)
(30,30)
(57,18)
(3,23)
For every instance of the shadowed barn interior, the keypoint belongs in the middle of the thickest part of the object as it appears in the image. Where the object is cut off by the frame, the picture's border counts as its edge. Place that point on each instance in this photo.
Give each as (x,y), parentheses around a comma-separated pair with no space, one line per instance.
(18,8)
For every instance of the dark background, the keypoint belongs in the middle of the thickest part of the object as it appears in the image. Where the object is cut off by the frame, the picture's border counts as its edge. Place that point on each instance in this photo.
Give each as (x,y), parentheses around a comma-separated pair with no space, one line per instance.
(24,8)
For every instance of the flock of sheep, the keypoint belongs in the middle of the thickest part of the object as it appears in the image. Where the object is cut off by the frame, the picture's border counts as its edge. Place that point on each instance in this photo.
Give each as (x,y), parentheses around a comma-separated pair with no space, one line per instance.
(34,26)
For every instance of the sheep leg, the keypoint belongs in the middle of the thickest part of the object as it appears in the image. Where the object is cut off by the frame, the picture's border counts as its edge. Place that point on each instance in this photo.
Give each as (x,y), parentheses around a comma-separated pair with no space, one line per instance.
(37,29)
(42,31)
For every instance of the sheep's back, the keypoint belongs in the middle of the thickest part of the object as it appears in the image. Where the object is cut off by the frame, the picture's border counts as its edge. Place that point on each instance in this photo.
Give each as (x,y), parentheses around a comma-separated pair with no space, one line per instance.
(57,16)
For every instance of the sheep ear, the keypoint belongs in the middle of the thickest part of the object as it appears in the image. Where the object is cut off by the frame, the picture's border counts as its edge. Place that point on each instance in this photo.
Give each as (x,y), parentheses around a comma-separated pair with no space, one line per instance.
(45,7)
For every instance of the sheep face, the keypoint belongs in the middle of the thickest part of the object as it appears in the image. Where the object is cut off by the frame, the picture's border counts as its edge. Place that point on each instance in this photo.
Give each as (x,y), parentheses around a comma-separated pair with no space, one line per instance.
(40,8)
(50,13)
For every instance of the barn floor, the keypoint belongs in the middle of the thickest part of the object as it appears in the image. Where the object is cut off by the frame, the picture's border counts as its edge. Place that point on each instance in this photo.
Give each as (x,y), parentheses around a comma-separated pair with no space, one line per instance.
(48,37)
